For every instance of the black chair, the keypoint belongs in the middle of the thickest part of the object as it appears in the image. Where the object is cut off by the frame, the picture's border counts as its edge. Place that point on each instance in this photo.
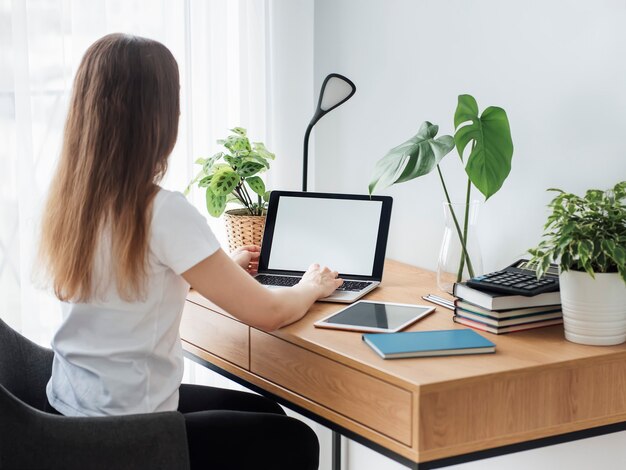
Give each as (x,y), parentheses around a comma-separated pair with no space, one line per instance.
(33,439)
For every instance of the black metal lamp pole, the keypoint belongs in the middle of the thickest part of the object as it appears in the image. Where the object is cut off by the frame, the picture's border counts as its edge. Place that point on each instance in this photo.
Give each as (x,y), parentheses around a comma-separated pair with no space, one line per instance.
(345,92)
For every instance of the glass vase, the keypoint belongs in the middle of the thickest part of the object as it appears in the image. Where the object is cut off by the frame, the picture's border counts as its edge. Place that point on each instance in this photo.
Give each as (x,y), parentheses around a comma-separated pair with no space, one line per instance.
(458,261)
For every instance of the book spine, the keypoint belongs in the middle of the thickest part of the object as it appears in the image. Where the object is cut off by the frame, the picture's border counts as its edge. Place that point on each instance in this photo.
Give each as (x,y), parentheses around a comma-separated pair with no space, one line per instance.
(473,324)
(508,321)
(505,314)
(506,329)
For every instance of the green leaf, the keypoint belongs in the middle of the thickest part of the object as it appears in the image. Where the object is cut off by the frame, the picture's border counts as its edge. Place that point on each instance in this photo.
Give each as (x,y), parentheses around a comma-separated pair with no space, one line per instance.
(239,130)
(416,157)
(208,164)
(200,161)
(236,143)
(205,182)
(253,157)
(256,184)
(466,110)
(224,181)
(215,204)
(219,167)
(259,148)
(232,161)
(566,259)
(249,168)
(266,196)
(489,162)
(619,255)
(544,265)
(584,249)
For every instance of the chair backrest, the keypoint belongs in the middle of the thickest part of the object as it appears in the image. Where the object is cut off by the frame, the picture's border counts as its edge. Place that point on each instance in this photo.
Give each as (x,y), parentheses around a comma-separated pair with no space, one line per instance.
(25,367)
(32,439)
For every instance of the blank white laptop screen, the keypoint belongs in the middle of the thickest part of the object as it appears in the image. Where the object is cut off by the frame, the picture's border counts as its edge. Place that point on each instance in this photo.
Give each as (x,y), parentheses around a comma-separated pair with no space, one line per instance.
(338,233)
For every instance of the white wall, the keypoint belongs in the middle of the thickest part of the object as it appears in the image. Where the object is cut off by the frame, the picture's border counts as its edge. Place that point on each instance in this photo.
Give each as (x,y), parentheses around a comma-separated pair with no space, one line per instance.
(291,92)
(557,68)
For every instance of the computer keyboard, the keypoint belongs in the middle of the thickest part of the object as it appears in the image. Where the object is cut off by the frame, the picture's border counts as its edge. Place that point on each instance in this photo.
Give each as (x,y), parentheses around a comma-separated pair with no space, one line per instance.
(288,281)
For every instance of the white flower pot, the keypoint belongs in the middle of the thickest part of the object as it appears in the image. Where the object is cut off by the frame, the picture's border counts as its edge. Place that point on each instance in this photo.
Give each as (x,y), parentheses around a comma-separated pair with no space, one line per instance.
(594,310)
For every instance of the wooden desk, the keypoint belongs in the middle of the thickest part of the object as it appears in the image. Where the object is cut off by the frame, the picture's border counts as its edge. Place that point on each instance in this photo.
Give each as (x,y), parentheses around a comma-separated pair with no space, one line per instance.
(441,410)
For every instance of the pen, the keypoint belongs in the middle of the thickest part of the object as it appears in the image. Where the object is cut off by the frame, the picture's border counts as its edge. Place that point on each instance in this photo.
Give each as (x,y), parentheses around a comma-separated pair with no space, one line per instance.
(439,301)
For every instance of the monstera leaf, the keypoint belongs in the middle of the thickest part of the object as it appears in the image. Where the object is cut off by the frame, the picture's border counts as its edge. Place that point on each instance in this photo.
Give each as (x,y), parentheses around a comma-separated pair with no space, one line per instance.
(489,161)
(416,157)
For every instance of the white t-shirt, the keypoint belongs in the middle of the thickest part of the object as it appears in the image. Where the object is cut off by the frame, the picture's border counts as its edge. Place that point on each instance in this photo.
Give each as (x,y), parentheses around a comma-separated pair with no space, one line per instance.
(114,357)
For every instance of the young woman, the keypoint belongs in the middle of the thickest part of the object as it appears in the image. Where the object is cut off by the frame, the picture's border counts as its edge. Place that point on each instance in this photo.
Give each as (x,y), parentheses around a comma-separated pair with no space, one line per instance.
(121,253)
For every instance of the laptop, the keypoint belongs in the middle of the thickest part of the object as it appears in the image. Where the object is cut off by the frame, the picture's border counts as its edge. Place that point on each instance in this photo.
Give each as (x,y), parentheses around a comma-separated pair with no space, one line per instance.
(346,232)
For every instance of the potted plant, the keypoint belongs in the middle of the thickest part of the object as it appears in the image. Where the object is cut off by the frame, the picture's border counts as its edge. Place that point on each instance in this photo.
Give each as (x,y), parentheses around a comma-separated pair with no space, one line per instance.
(487,166)
(231,176)
(587,236)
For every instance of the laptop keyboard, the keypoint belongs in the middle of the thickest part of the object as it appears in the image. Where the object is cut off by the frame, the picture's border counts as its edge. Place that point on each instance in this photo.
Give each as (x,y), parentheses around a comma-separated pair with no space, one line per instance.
(284,281)
(288,281)
(354,286)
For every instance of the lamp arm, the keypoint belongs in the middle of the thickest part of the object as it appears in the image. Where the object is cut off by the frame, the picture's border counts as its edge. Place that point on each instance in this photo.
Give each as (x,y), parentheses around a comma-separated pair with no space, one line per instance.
(305,161)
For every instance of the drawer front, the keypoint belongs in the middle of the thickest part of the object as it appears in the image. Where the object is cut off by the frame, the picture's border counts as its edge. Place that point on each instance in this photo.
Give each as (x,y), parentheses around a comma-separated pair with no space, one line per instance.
(216,334)
(374,403)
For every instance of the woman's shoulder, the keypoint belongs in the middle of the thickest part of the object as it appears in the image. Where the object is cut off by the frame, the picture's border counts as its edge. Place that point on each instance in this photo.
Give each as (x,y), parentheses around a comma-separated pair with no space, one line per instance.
(180,235)
(165,195)
(167,201)
(172,210)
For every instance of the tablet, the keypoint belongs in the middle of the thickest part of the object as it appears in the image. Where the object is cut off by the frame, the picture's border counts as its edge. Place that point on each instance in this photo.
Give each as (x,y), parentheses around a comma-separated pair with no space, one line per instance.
(380,317)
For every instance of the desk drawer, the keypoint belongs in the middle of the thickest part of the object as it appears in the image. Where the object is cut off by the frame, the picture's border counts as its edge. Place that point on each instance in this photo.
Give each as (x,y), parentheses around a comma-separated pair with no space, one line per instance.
(216,333)
(381,406)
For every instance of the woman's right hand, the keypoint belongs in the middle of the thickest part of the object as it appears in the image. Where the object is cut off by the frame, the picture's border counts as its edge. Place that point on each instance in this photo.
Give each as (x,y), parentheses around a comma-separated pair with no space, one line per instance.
(221,280)
(322,278)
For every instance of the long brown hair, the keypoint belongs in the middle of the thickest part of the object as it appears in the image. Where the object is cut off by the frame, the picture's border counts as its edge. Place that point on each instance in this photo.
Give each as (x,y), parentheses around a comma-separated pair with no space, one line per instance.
(121,126)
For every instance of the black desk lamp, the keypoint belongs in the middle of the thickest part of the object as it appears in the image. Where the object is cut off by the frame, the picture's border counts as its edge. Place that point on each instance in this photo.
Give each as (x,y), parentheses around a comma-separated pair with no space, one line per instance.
(336,90)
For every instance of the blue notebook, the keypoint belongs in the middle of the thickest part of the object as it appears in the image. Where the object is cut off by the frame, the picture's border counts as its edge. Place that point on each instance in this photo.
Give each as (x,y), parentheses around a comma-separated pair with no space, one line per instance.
(428,343)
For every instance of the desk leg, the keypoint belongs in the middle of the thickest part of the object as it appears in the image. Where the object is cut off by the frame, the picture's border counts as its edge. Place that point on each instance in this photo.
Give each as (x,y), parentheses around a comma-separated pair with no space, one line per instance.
(336,451)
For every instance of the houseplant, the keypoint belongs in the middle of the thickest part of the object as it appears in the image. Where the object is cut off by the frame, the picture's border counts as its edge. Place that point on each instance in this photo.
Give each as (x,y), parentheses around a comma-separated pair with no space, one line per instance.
(487,166)
(587,237)
(232,176)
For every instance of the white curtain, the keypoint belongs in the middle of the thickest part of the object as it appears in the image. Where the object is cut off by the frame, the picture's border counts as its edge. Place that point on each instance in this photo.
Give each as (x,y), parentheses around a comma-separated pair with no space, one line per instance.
(220,46)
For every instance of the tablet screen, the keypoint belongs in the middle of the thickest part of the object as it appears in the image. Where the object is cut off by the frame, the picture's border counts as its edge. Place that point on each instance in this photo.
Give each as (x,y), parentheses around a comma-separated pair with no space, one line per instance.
(377,315)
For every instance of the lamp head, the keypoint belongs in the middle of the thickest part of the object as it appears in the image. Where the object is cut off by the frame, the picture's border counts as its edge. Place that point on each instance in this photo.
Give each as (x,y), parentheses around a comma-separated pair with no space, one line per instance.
(335,91)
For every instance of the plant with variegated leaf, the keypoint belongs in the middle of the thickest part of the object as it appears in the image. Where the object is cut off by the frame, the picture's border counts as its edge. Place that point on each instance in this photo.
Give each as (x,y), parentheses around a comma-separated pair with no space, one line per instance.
(487,165)
(232,175)
(585,233)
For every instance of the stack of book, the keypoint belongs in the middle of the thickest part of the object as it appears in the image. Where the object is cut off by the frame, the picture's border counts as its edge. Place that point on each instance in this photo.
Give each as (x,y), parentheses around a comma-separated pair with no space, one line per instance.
(499,313)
